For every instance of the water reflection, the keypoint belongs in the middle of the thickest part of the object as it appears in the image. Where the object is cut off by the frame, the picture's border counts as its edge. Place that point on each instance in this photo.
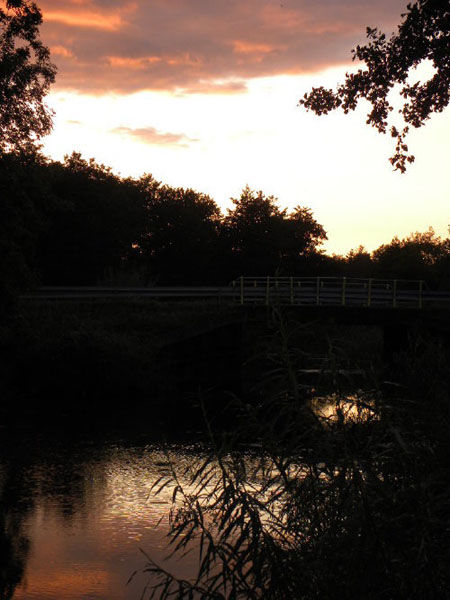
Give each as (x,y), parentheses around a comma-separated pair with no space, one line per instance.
(348,409)
(15,502)
(73,519)
(74,516)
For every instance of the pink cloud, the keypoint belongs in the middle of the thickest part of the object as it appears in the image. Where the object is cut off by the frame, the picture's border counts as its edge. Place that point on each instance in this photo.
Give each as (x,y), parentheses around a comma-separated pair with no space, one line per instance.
(120,46)
(150,135)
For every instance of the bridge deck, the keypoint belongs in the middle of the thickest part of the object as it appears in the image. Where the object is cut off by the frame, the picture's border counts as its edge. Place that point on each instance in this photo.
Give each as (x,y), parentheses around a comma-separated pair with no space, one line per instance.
(332,291)
(296,291)
(300,291)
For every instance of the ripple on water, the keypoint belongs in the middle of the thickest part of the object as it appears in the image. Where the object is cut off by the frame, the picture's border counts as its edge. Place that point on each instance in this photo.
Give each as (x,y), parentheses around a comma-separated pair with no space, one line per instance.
(86,514)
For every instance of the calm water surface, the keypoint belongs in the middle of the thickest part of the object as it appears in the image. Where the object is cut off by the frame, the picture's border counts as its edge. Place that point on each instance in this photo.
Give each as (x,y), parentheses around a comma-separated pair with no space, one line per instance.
(76,513)
(75,516)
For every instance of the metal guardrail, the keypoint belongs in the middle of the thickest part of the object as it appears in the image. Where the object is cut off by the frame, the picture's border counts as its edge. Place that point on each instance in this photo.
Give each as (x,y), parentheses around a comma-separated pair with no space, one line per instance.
(331,291)
(79,292)
(299,291)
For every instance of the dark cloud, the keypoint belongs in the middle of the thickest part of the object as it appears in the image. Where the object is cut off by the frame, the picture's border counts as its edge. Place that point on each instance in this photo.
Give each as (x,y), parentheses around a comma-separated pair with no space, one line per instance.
(198,46)
(150,135)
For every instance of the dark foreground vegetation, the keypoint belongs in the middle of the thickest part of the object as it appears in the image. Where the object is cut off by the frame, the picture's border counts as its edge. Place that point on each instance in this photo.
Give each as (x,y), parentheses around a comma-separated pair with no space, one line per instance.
(333,485)
(108,360)
(313,494)
(326,486)
(96,362)
(77,223)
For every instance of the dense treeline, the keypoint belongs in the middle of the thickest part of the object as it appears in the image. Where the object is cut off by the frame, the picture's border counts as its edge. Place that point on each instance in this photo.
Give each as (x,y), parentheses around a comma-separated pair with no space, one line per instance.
(77,223)
(423,256)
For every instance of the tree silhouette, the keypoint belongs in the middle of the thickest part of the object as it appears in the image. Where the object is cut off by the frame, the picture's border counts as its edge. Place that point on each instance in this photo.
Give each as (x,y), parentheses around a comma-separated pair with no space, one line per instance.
(302,237)
(358,263)
(418,256)
(265,239)
(92,222)
(26,74)
(424,34)
(254,231)
(24,191)
(179,234)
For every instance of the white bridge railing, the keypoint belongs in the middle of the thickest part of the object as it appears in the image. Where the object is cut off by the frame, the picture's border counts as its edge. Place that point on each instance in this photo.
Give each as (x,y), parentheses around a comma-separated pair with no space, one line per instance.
(332,291)
(319,291)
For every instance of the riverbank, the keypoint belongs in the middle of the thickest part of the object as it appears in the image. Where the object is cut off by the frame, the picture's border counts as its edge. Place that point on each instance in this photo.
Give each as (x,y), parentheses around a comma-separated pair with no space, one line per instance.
(133,359)
(66,357)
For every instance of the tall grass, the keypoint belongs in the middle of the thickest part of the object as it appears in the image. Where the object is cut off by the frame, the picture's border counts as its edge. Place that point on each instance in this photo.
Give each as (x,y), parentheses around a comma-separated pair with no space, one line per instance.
(347,503)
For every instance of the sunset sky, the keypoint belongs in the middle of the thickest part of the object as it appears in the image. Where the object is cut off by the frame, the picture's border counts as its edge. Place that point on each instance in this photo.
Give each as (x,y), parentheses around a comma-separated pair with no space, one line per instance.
(204,93)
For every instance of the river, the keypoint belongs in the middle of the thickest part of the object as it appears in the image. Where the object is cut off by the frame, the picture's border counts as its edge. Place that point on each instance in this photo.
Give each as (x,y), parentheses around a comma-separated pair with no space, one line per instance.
(77,513)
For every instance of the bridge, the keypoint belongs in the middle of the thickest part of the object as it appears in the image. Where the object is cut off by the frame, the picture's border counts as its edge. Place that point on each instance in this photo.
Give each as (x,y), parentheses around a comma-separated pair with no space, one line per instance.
(294,291)
(213,348)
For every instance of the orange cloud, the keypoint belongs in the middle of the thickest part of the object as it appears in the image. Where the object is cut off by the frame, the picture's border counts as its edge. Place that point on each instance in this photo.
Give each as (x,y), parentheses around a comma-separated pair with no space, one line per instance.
(85,19)
(185,59)
(133,63)
(61,51)
(214,87)
(244,47)
(251,52)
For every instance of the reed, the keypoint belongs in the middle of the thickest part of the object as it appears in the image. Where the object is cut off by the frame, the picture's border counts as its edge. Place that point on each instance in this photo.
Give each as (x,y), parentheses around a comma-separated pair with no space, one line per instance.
(343,503)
